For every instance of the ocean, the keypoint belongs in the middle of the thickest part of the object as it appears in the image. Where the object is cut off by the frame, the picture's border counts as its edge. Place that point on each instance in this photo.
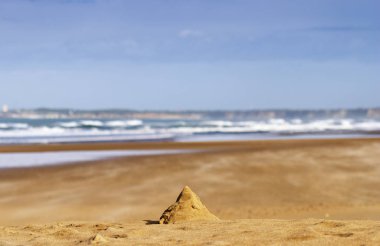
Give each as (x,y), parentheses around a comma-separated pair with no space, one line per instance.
(43,131)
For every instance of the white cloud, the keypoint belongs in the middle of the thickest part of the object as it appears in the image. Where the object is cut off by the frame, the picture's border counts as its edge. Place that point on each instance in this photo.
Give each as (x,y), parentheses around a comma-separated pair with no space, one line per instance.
(188,33)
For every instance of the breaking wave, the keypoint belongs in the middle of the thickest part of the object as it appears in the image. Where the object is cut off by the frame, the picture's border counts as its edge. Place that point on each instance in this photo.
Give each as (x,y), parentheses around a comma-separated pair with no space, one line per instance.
(48,131)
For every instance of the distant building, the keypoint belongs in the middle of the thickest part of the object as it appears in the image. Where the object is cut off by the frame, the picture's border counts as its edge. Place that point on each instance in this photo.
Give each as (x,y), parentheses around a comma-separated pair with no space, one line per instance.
(5,109)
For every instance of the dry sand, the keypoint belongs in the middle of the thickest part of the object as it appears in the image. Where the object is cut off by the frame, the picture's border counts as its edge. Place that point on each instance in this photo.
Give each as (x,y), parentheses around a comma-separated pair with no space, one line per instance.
(264,192)
(227,232)
(187,207)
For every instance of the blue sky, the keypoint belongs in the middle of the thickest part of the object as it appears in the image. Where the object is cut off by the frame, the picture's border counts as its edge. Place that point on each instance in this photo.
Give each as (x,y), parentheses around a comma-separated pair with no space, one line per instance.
(190,54)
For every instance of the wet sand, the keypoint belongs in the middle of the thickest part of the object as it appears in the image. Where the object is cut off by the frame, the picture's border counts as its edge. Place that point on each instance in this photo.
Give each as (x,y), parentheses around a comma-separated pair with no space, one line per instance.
(271,185)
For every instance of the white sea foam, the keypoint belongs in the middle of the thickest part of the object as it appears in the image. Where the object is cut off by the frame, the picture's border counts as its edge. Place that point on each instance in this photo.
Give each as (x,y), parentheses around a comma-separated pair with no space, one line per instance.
(70,124)
(219,123)
(97,123)
(124,123)
(137,130)
(13,126)
(94,123)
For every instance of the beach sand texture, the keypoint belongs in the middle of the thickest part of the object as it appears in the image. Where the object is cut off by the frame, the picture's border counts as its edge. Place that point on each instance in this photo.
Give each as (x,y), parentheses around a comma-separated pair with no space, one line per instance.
(310,192)
(188,207)
(226,232)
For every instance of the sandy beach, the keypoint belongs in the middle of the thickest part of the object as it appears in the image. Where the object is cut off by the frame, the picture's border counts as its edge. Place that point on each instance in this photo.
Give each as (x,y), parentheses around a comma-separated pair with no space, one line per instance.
(310,192)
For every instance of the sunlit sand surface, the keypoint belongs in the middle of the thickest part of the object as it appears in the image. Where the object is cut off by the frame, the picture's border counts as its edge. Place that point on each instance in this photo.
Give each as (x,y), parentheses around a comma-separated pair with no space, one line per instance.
(311,192)
(227,232)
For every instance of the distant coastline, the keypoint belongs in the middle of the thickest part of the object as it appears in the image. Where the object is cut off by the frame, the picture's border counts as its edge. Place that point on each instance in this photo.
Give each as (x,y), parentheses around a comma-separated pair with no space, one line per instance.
(52,113)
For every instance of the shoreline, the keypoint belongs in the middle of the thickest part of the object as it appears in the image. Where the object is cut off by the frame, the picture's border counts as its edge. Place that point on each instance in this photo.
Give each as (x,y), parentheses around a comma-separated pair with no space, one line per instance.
(52,158)
(187,148)
(179,145)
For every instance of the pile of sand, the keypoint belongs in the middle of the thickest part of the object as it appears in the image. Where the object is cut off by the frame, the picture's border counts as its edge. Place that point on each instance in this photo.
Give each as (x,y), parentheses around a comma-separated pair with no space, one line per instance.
(188,207)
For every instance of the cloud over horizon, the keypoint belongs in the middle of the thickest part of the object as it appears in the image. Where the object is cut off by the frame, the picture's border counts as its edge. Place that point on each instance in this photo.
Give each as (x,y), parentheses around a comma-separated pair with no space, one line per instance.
(74,37)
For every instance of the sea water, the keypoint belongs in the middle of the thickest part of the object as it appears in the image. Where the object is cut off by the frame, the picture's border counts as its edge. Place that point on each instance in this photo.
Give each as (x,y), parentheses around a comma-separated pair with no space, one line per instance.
(12,160)
(25,131)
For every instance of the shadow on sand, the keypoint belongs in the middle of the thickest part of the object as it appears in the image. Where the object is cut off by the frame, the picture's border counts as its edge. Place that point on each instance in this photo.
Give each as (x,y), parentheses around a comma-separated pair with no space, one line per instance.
(151,222)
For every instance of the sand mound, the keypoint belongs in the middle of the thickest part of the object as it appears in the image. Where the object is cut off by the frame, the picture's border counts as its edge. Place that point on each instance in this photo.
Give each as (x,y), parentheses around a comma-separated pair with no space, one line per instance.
(97,239)
(188,207)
